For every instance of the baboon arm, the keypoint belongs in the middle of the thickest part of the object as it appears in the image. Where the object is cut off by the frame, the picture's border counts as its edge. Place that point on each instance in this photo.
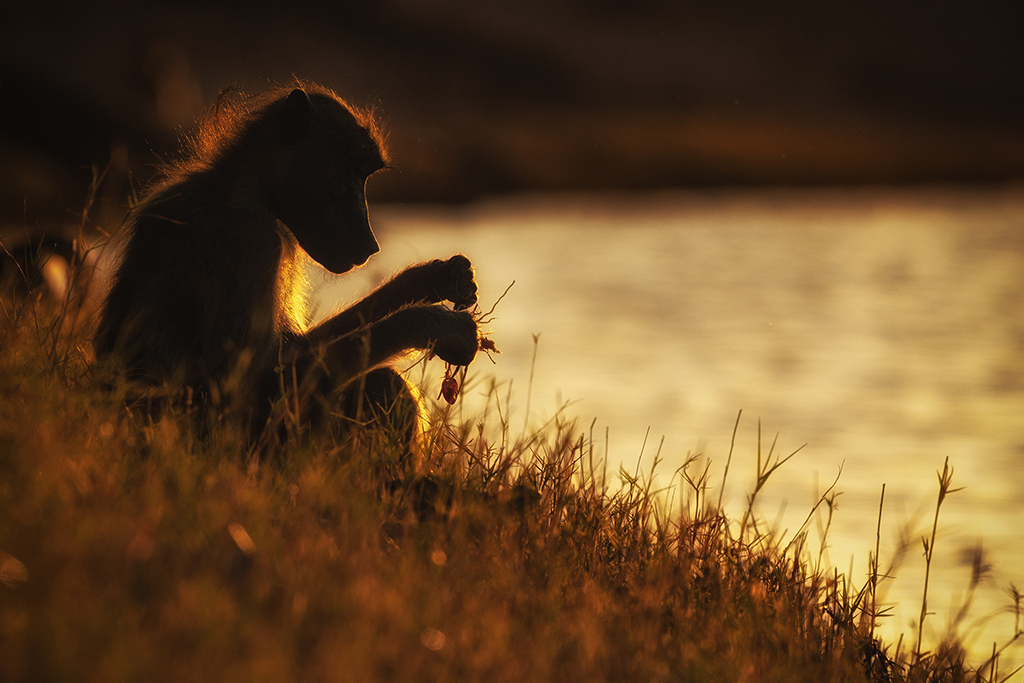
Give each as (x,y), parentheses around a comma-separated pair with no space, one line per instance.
(376,306)
(452,335)
(426,283)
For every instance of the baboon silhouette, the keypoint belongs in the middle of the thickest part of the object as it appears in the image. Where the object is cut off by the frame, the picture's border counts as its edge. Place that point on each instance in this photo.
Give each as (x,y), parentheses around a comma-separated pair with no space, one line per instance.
(209,293)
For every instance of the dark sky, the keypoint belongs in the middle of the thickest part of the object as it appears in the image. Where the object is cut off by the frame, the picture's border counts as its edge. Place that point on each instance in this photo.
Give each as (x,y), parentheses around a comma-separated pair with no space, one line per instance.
(483,97)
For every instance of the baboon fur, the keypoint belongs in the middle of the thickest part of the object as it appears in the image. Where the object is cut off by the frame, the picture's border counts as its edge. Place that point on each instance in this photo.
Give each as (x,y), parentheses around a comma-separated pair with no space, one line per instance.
(209,292)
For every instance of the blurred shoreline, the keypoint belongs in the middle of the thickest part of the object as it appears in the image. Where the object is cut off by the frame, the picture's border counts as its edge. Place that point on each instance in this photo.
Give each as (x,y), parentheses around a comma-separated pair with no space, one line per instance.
(480,100)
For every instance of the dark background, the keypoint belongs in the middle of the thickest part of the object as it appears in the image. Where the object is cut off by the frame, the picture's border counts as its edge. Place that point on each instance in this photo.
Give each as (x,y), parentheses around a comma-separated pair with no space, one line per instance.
(482,97)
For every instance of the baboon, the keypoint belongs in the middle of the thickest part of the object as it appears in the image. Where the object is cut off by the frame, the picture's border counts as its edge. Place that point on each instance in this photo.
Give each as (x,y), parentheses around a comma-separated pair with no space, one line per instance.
(209,292)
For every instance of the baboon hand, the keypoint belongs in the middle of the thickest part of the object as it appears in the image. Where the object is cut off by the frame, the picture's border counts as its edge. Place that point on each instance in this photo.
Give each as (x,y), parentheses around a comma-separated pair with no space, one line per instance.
(457,342)
(452,280)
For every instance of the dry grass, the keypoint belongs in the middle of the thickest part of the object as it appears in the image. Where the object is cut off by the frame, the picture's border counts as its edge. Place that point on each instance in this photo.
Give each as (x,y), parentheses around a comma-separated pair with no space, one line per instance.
(131,550)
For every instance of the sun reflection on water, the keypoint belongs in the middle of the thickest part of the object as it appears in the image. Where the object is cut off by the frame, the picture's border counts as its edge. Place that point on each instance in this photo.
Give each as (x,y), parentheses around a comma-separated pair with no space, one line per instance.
(882,328)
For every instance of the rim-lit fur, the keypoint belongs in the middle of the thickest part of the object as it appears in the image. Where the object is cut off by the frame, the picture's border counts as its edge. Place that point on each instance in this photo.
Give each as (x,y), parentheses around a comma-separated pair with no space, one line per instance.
(209,293)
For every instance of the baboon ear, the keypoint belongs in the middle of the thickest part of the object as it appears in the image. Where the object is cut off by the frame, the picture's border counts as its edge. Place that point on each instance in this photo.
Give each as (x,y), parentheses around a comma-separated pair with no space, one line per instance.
(293,119)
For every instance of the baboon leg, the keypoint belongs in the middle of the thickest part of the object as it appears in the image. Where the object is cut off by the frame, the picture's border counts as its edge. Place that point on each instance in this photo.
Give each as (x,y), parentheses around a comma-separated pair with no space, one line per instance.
(380,398)
(378,403)
(383,403)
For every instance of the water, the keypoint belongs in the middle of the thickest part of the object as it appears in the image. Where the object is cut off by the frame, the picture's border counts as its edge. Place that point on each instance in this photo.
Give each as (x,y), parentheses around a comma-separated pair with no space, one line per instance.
(884,329)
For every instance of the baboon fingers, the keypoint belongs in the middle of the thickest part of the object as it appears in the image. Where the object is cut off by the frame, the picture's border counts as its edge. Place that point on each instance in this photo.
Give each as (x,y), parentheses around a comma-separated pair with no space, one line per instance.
(461,288)
(451,280)
(459,342)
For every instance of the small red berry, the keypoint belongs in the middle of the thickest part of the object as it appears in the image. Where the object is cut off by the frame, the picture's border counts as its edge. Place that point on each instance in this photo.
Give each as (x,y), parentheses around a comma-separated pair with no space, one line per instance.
(450,389)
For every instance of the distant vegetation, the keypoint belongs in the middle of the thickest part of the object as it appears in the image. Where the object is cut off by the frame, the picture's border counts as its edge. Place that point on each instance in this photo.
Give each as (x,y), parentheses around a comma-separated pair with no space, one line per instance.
(131,550)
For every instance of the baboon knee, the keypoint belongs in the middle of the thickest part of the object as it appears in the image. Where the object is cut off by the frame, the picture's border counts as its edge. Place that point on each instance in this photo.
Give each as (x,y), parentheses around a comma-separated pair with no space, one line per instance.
(381,399)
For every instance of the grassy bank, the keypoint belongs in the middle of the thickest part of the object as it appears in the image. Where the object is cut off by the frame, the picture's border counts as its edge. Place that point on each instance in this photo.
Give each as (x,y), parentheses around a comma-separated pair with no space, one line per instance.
(130,550)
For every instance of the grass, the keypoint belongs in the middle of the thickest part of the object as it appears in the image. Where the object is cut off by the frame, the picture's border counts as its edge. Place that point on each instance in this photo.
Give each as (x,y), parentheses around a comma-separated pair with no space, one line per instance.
(131,550)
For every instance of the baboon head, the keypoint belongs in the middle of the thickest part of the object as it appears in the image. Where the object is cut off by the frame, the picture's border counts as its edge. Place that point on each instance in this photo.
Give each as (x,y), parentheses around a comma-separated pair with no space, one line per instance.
(323,155)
